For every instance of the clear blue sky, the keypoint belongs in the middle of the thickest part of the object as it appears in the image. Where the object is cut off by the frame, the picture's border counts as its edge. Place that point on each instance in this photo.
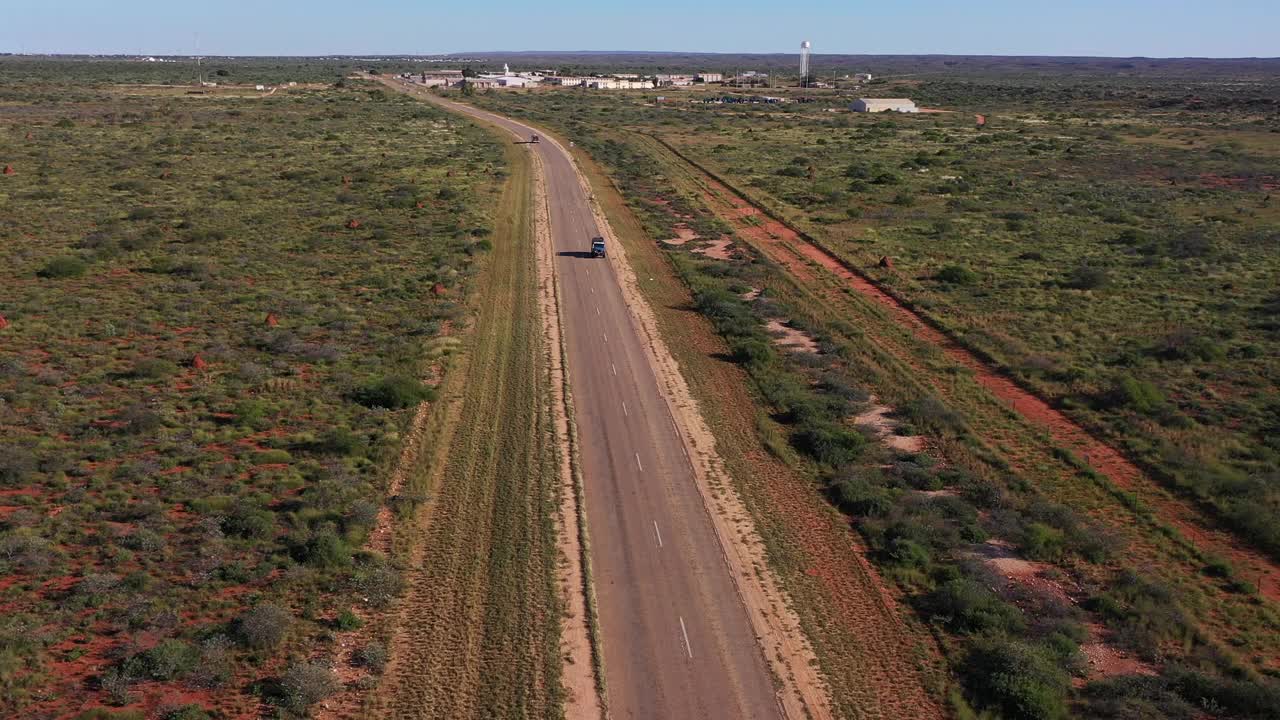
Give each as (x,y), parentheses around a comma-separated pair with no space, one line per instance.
(1158,28)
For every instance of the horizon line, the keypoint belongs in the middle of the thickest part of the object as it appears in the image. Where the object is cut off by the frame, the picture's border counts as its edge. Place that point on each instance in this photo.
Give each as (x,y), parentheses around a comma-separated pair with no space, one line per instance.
(465,54)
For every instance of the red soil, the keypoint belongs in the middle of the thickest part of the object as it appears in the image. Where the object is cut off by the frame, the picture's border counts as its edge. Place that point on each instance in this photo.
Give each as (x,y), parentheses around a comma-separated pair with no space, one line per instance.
(1180,514)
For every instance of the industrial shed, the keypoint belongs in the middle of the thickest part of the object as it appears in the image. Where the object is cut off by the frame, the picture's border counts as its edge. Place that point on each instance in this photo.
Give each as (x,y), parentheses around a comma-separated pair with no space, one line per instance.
(902,105)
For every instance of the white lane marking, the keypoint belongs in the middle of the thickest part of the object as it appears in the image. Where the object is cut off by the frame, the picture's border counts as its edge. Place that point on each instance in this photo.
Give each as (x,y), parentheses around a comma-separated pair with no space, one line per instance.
(606,336)
(597,309)
(656,533)
(683,631)
(593,291)
(624,409)
(614,368)
(638,462)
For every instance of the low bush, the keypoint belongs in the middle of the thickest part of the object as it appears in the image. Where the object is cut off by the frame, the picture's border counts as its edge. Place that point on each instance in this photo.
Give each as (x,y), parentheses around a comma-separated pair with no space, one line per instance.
(169,660)
(1137,395)
(393,393)
(1087,277)
(956,275)
(1239,697)
(828,442)
(263,627)
(306,684)
(372,655)
(967,606)
(347,620)
(1042,542)
(63,267)
(1017,680)
(153,369)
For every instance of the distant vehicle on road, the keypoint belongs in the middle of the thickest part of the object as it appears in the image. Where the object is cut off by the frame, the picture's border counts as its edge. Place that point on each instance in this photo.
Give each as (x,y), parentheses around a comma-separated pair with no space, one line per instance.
(533,138)
(597,247)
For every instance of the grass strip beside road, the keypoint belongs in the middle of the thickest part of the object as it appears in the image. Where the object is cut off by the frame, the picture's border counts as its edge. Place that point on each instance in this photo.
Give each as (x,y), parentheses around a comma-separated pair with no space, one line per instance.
(480,628)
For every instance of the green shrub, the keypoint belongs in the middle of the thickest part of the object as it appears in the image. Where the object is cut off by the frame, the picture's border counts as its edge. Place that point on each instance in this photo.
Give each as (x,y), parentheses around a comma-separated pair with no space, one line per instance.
(170,660)
(251,412)
(957,275)
(967,606)
(1087,277)
(1016,679)
(1218,568)
(1240,697)
(393,392)
(829,443)
(272,457)
(153,369)
(63,267)
(857,496)
(327,550)
(347,620)
(907,553)
(1137,395)
(248,521)
(1042,542)
(1135,696)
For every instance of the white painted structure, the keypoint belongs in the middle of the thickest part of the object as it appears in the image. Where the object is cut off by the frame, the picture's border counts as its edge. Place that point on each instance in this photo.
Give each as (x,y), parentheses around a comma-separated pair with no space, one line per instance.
(710,77)
(902,105)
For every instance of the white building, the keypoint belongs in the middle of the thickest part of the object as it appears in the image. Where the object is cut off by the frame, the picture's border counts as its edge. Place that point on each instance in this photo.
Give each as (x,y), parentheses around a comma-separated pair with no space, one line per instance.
(709,77)
(862,77)
(902,105)
(617,84)
(677,80)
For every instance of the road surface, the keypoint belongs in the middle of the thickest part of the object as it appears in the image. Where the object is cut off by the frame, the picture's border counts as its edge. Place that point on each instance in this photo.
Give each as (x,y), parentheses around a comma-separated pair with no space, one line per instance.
(676,638)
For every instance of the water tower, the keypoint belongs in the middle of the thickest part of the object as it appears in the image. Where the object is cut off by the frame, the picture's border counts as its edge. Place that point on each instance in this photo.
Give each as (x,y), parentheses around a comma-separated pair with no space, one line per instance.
(804,63)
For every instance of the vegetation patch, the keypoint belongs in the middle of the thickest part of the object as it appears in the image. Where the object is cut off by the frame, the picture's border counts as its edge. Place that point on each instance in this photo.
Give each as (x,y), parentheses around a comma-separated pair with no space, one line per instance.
(205,377)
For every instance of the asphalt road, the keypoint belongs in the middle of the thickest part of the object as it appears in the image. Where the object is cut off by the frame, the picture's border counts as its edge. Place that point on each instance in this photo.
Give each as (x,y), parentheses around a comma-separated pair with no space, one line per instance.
(677,641)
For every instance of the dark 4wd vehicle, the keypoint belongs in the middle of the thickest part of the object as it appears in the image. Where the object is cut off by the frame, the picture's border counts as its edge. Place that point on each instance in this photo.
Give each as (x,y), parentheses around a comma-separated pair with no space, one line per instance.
(597,247)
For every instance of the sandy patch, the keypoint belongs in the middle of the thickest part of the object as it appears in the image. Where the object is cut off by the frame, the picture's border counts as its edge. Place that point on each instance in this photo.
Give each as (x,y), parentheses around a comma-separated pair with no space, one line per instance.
(1000,556)
(751,294)
(1105,660)
(721,249)
(943,493)
(877,418)
(684,234)
(790,338)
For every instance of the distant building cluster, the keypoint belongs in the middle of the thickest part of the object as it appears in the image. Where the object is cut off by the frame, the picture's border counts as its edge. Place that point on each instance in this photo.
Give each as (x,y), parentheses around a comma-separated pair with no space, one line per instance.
(509,79)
